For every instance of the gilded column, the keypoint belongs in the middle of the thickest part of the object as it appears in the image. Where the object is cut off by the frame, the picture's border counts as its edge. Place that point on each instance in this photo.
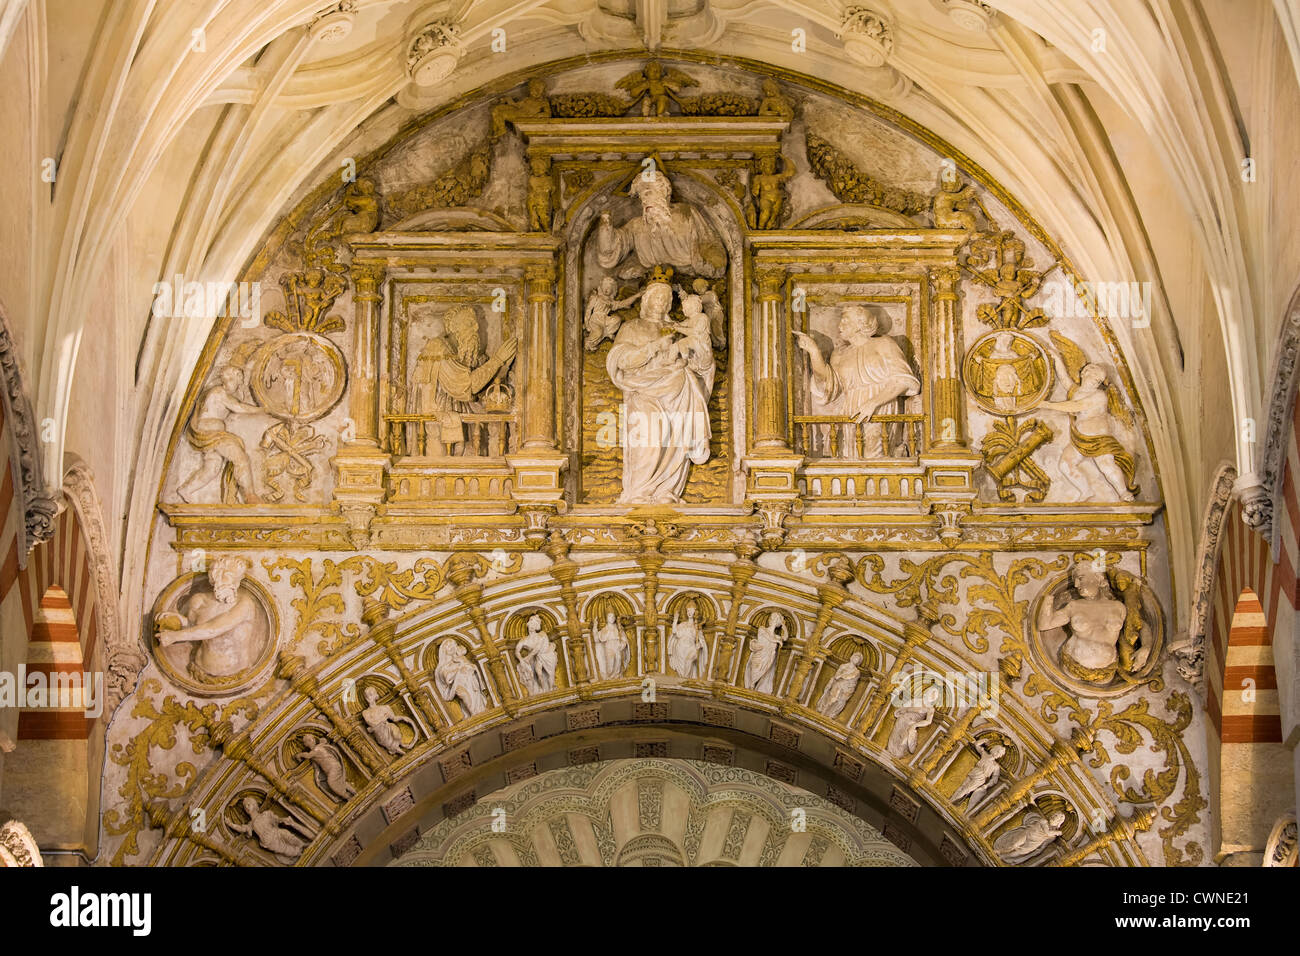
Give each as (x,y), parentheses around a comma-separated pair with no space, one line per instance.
(539,356)
(364,373)
(948,419)
(771,423)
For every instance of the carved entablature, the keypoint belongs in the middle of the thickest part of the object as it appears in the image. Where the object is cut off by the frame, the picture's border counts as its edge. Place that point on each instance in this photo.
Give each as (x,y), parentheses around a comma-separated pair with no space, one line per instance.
(667,372)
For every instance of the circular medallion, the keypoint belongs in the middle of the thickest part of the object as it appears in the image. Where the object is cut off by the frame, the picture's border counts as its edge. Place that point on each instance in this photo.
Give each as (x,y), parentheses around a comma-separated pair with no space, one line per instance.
(298,376)
(1007,372)
(1097,633)
(214,633)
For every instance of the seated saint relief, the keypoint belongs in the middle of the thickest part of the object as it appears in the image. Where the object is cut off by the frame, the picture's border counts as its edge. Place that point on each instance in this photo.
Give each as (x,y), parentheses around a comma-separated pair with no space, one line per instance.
(451,372)
(865,374)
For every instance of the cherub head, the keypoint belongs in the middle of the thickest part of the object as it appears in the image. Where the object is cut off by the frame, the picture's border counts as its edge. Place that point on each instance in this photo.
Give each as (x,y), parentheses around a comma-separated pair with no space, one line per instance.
(654,70)
(537,88)
(1092,376)
(608,287)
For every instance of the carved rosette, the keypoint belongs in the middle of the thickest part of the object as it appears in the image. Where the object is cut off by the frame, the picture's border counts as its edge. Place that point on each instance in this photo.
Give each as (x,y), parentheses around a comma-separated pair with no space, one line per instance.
(433,53)
(868,36)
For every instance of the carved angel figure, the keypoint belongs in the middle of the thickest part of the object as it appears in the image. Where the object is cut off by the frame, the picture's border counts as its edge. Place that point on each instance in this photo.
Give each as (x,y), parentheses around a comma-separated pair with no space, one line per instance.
(840,687)
(329,764)
(273,832)
(613,653)
(1020,843)
(601,319)
(457,678)
(983,776)
(384,723)
(654,88)
(1096,413)
(535,105)
(955,203)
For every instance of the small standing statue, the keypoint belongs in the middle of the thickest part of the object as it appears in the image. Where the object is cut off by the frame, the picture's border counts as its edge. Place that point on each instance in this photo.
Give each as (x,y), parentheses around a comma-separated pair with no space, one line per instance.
(274,833)
(768,187)
(540,190)
(384,723)
(601,319)
(688,652)
(760,669)
(330,765)
(840,687)
(537,658)
(613,653)
(457,678)
(983,776)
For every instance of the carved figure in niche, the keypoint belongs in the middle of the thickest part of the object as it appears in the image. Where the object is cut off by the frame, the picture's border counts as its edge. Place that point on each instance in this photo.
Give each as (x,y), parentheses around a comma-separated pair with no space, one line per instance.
(330,765)
(537,658)
(717,317)
(983,776)
(1097,624)
(383,722)
(450,374)
(688,651)
(1095,411)
(955,203)
(458,679)
(541,189)
(908,720)
(224,624)
(774,102)
(601,319)
(654,88)
(223,453)
(863,375)
(613,652)
(273,832)
(760,669)
(665,234)
(840,687)
(534,105)
(1036,831)
(666,396)
(768,187)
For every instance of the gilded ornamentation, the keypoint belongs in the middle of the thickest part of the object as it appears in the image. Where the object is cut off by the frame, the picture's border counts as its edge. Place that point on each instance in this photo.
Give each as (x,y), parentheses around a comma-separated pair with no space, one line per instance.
(851,185)
(455,187)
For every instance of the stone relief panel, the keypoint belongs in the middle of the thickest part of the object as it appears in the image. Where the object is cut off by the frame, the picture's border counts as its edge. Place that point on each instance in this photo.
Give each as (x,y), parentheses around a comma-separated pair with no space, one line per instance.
(676,373)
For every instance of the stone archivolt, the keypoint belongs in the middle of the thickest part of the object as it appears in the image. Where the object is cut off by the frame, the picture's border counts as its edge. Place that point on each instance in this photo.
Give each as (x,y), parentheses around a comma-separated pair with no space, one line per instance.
(655,329)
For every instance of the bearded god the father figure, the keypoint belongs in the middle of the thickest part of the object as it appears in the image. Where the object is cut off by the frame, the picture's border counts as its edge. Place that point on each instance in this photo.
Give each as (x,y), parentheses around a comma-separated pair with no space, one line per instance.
(665,234)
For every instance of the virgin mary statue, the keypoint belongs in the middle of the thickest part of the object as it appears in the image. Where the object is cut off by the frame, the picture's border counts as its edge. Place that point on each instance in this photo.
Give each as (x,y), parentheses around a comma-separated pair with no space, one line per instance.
(666,386)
